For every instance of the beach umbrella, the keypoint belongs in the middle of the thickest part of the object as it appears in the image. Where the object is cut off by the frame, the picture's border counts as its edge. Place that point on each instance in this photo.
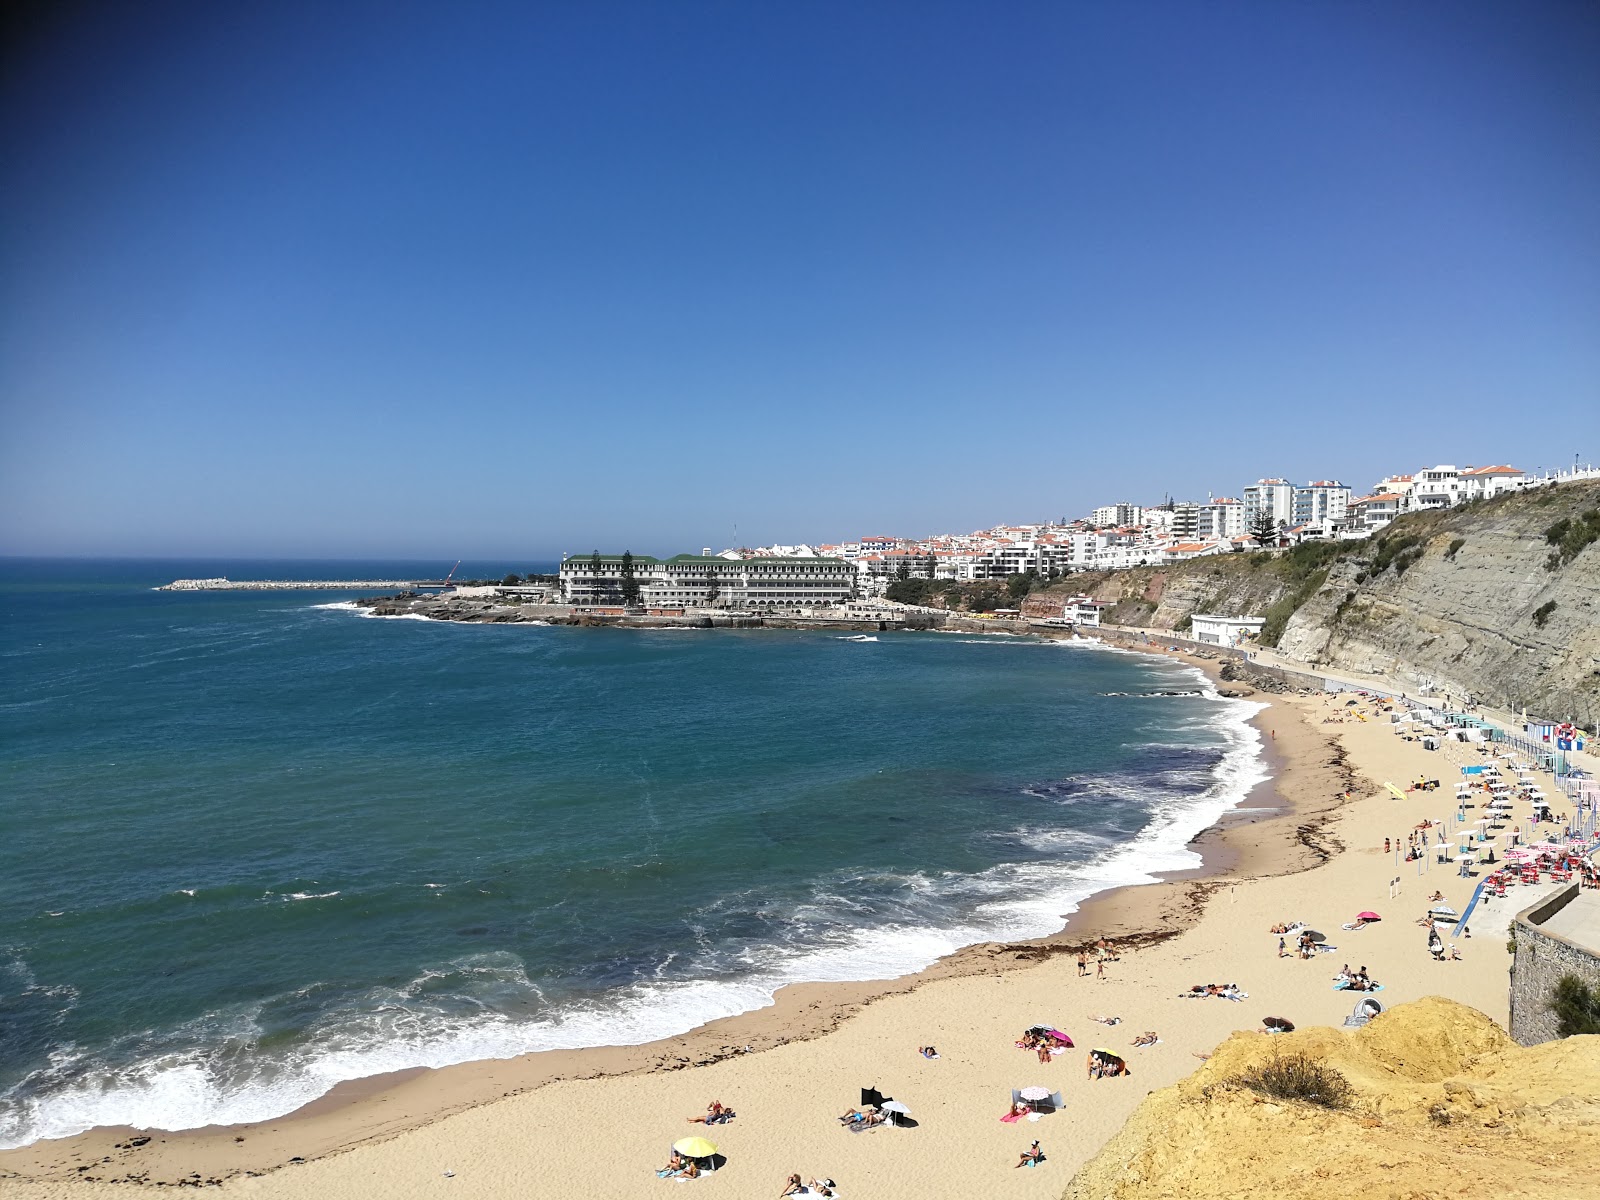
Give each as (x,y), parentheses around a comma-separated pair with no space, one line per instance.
(1368,916)
(694,1147)
(1056,1033)
(1394,791)
(1315,936)
(1036,1093)
(894,1106)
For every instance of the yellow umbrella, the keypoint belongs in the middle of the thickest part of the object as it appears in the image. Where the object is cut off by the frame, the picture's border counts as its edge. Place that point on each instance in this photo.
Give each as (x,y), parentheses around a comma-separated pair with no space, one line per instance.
(1398,794)
(694,1147)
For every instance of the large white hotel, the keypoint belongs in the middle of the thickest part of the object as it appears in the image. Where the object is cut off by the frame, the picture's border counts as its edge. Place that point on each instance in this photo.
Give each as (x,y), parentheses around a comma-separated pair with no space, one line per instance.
(707,581)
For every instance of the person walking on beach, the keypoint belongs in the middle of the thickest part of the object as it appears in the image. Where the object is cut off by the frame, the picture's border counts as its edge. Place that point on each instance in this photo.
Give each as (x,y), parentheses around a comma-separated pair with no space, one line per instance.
(1100,969)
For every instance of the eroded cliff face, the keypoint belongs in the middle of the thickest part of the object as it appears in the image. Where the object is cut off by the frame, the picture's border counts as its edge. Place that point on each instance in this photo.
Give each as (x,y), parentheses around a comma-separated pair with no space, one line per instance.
(1476,606)
(1468,600)
(1445,1105)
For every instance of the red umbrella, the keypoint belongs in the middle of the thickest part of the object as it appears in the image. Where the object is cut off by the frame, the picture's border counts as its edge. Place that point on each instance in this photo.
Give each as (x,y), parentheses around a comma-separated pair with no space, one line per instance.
(1368,916)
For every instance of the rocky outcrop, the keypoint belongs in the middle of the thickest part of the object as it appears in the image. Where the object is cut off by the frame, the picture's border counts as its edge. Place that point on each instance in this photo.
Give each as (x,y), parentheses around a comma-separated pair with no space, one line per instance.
(1444,1104)
(1475,601)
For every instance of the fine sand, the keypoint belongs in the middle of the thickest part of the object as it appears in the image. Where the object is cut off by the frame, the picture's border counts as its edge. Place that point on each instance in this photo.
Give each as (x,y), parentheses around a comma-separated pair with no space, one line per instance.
(597,1123)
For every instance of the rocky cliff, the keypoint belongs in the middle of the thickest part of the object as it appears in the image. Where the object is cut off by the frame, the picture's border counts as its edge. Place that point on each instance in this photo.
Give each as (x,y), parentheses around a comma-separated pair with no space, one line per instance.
(1498,600)
(1443,1104)
(1477,600)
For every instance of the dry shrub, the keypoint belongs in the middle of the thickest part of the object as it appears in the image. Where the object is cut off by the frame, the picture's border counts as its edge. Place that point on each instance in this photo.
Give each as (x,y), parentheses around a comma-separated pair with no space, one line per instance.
(1299,1077)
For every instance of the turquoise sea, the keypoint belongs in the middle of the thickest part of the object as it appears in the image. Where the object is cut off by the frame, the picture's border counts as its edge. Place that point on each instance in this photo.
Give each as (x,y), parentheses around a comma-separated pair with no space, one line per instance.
(255,844)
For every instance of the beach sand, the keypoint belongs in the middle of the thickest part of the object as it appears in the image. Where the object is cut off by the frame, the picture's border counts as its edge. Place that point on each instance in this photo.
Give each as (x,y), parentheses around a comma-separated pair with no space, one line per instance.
(596,1123)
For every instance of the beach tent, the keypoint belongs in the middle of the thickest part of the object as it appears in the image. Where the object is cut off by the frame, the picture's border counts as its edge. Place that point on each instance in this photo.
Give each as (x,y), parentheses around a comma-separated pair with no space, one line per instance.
(872,1096)
(1367,1008)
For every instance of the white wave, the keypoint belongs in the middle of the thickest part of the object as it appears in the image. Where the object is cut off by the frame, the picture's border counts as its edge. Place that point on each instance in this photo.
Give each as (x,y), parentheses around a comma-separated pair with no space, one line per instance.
(193,1088)
(338,606)
(856,637)
(311,895)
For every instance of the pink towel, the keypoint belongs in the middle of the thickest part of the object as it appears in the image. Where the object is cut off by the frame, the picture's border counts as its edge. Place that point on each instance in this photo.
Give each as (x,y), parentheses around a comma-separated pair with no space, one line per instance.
(1011,1118)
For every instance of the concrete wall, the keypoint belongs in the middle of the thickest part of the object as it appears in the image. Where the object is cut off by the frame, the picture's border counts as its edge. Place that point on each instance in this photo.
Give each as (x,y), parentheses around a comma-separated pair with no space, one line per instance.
(1542,959)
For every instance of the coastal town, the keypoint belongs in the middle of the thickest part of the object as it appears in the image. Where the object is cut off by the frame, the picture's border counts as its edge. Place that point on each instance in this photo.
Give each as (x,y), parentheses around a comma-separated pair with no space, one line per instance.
(1270,514)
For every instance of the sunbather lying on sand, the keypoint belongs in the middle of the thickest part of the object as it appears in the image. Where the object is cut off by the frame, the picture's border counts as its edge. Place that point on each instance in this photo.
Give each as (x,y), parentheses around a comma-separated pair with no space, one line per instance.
(791,1187)
(1107,1020)
(1148,1038)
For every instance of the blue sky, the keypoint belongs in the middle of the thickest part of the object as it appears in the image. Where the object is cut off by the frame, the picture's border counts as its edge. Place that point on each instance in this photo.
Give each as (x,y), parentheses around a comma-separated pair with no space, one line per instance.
(513,279)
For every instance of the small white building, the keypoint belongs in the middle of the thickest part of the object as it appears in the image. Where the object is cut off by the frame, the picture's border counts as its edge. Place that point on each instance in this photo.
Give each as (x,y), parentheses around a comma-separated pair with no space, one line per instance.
(1084,610)
(1224,631)
(1480,483)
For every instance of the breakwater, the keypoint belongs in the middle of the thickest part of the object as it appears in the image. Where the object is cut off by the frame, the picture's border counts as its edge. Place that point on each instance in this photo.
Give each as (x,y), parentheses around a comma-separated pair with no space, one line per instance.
(221,584)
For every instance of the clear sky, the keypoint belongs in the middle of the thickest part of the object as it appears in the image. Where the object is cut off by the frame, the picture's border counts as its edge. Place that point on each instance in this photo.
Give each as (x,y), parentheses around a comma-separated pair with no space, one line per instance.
(490,279)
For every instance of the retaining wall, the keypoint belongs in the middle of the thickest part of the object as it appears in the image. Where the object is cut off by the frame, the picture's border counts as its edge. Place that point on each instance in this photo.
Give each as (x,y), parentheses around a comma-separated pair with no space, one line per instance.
(1542,958)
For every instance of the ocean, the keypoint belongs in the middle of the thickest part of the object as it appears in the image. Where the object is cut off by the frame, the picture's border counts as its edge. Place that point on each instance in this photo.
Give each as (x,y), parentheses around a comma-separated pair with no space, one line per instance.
(257,843)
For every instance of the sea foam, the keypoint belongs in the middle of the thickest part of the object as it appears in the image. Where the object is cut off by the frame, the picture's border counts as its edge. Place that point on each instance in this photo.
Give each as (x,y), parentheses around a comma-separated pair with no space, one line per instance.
(211,1073)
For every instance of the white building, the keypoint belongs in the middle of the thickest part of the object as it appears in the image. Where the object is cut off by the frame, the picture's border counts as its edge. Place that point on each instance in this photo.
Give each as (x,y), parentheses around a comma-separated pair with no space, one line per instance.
(1436,487)
(1220,518)
(1480,483)
(1111,515)
(1372,513)
(1323,502)
(701,581)
(1084,610)
(1274,497)
(1224,631)
(1178,551)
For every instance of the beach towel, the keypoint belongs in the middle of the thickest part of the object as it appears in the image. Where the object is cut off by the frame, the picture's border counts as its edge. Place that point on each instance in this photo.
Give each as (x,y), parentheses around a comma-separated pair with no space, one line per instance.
(1011,1118)
(1344,986)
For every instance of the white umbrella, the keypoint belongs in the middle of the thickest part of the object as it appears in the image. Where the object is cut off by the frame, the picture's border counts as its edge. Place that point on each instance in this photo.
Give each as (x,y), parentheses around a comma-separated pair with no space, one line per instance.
(895,1106)
(1035,1093)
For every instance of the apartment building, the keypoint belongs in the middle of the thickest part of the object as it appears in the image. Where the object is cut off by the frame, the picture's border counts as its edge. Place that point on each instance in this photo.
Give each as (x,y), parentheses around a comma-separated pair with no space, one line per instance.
(1436,487)
(1274,497)
(1321,502)
(1222,517)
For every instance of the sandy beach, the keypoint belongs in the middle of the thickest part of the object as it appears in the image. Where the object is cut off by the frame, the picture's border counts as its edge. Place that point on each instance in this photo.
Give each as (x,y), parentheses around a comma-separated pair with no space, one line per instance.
(597,1123)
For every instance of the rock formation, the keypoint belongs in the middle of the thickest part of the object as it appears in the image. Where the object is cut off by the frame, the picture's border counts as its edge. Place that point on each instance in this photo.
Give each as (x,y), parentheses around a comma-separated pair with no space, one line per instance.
(1444,1104)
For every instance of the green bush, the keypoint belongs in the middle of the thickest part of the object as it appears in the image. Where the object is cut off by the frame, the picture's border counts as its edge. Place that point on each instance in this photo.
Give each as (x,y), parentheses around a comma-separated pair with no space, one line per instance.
(1392,548)
(1576,1005)
(1299,1077)
(1455,544)
(1570,536)
(1542,613)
